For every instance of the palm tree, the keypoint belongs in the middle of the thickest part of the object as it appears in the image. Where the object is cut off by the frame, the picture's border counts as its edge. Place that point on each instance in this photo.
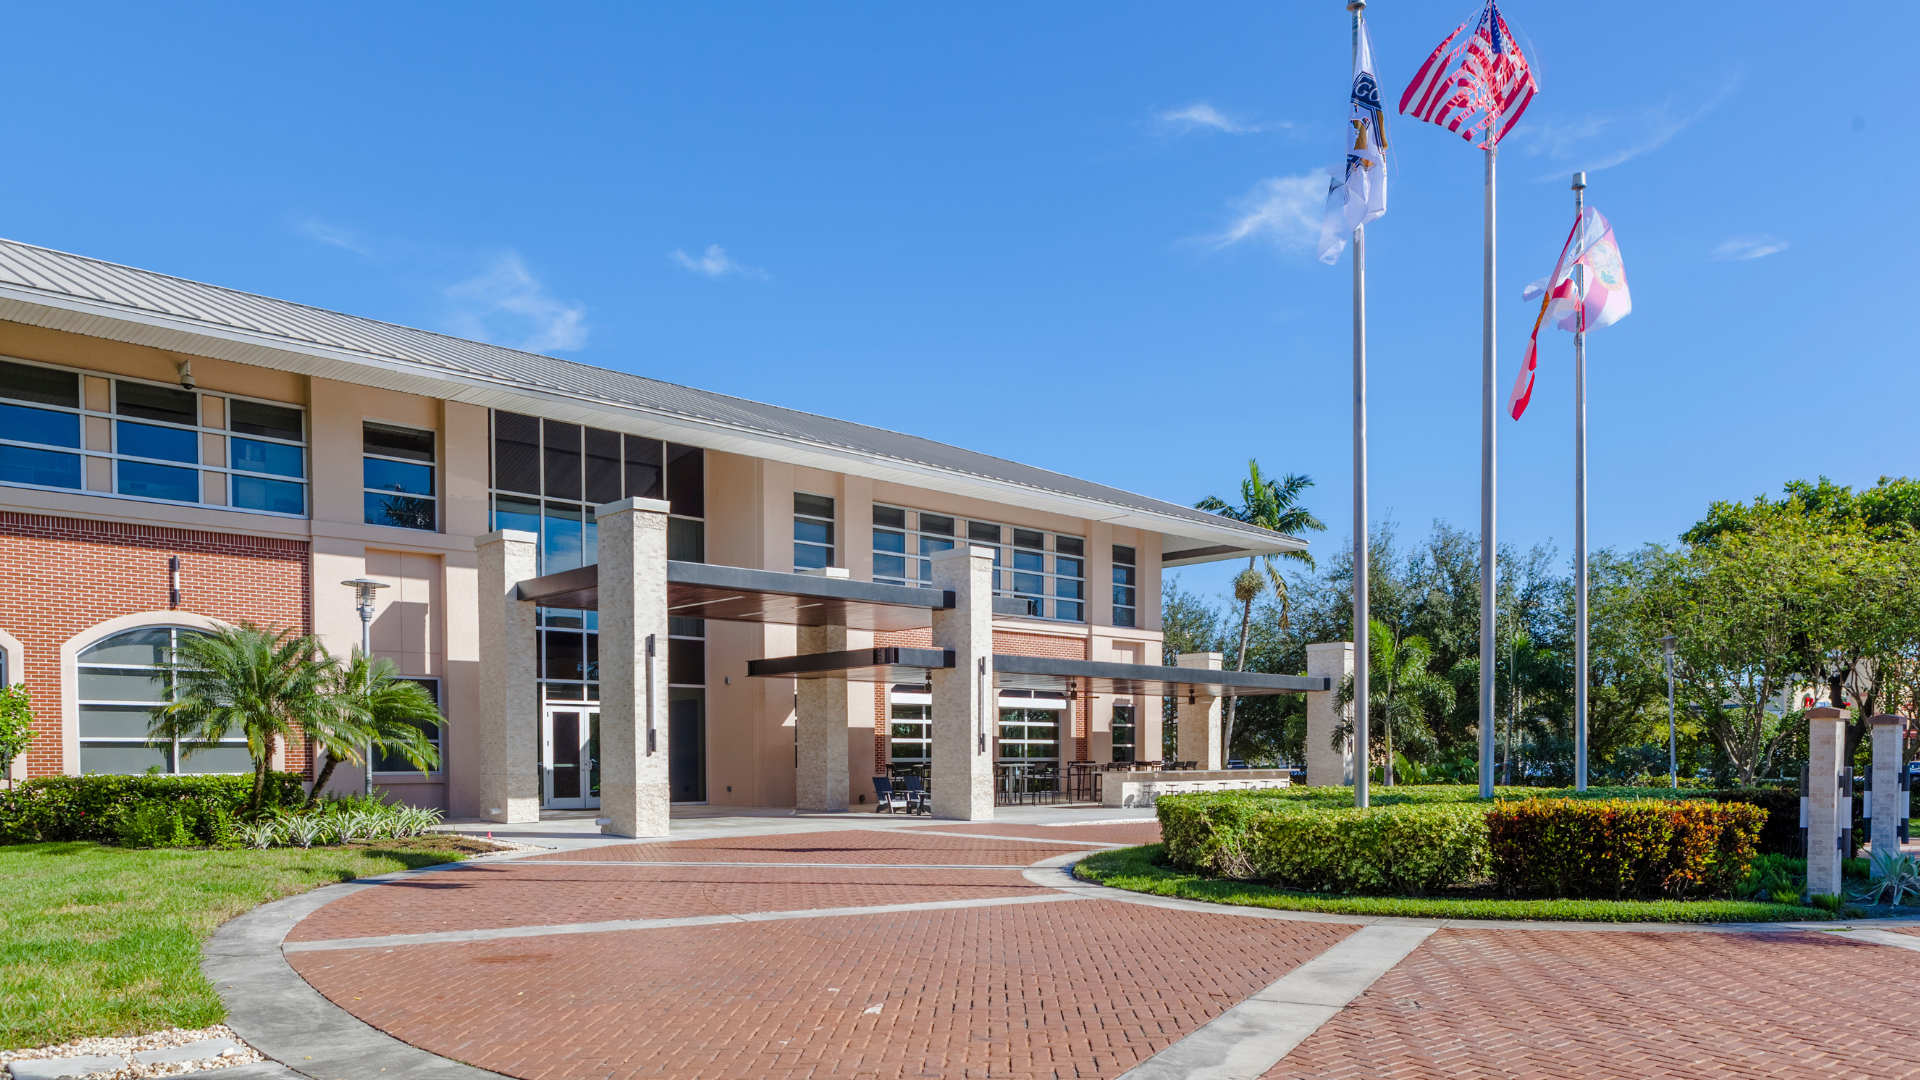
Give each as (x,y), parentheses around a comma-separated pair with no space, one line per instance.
(268,685)
(374,706)
(1403,692)
(1273,505)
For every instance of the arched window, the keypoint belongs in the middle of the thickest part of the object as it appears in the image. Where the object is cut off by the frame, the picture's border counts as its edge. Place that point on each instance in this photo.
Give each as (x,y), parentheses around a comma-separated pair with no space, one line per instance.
(121,679)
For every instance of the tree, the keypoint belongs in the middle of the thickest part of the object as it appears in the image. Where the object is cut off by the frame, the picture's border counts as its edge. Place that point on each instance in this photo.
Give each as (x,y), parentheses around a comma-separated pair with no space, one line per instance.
(374,706)
(268,685)
(1273,505)
(16,726)
(1402,692)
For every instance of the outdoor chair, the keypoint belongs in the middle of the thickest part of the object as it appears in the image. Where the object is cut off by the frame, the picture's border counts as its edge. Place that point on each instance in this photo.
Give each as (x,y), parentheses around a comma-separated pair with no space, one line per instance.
(1236,763)
(886,796)
(916,792)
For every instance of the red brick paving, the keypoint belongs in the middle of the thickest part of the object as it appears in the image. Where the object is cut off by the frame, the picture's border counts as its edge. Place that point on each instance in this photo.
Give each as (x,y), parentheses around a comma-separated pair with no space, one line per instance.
(1146,832)
(1077,989)
(1507,1003)
(843,846)
(524,893)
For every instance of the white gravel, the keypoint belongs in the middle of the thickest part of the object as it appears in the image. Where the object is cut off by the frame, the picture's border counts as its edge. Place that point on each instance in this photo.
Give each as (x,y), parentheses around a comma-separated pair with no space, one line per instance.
(127,1046)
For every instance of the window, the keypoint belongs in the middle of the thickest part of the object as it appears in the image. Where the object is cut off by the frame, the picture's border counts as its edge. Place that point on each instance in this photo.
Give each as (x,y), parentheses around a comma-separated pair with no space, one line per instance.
(385,761)
(1046,570)
(121,680)
(60,428)
(1030,733)
(1123,733)
(398,477)
(812,531)
(1124,584)
(910,725)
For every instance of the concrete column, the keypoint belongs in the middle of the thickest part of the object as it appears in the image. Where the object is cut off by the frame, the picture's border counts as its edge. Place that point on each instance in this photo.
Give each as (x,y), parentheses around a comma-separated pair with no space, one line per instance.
(1828,809)
(965,722)
(821,776)
(509,730)
(1197,717)
(1328,765)
(1887,800)
(634,789)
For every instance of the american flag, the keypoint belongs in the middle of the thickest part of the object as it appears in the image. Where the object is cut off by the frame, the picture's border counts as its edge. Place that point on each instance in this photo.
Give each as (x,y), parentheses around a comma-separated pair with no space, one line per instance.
(1477,84)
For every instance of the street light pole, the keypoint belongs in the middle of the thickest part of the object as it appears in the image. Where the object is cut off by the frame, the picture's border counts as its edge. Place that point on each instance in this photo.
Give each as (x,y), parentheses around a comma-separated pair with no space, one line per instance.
(1673,756)
(363,600)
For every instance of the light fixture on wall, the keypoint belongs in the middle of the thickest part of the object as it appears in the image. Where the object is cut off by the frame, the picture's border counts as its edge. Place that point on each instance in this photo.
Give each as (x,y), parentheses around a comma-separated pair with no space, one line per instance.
(173,581)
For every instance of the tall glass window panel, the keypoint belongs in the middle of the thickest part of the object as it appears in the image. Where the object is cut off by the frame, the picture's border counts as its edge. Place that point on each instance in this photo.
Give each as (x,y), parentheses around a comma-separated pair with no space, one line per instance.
(21,423)
(562,460)
(40,468)
(398,474)
(44,386)
(165,443)
(1123,728)
(687,744)
(562,541)
(910,730)
(687,480)
(646,468)
(1125,607)
(146,481)
(516,453)
(812,531)
(512,513)
(602,466)
(686,540)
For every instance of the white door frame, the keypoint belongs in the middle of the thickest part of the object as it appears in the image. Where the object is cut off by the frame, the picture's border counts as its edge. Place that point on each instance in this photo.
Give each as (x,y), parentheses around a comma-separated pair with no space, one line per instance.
(553,770)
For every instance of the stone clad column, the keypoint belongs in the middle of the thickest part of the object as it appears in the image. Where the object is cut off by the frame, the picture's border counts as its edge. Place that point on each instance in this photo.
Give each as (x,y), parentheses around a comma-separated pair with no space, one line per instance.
(1887,803)
(1328,765)
(821,777)
(1827,811)
(634,790)
(509,730)
(1197,718)
(965,722)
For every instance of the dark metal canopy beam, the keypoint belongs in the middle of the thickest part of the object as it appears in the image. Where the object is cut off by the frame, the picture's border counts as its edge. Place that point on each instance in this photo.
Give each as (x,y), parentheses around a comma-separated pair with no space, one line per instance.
(890,664)
(887,663)
(738,594)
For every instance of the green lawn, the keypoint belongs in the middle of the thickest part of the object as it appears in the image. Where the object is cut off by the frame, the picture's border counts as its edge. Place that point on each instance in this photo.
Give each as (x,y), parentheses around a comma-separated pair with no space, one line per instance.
(1139,870)
(106,941)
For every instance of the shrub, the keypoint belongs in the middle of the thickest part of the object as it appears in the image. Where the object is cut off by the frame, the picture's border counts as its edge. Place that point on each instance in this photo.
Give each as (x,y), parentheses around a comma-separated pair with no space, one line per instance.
(54,808)
(1619,849)
(1400,850)
(152,825)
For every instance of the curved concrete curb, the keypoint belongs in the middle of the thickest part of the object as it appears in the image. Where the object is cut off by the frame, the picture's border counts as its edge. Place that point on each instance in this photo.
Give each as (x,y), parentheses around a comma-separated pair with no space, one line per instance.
(271,1007)
(1057,873)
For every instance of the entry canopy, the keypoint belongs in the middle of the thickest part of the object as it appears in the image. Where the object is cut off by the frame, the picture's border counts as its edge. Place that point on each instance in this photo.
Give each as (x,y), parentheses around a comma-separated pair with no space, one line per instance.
(1038,673)
(734,593)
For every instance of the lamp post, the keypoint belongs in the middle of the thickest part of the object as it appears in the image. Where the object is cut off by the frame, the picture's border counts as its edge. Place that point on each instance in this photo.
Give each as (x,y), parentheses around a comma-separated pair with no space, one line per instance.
(363,600)
(1673,756)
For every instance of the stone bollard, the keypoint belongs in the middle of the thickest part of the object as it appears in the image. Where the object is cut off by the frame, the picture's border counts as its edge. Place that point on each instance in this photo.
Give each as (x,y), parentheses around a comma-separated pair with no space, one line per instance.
(1887,801)
(1829,810)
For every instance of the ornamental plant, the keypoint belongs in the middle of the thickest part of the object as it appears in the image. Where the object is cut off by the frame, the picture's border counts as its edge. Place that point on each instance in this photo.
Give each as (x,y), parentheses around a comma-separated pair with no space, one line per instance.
(16,726)
(1618,849)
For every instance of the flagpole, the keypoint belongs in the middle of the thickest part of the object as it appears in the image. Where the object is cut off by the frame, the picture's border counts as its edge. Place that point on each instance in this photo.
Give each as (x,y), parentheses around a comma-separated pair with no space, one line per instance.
(1580,514)
(1361,612)
(1487,499)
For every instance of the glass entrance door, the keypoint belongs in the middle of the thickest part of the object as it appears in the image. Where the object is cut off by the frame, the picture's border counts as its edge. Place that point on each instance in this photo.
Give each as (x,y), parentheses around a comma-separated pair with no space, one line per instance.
(570,756)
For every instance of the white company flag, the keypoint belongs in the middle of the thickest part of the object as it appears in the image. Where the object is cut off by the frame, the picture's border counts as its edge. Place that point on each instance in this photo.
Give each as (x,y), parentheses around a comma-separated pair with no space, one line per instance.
(1360,195)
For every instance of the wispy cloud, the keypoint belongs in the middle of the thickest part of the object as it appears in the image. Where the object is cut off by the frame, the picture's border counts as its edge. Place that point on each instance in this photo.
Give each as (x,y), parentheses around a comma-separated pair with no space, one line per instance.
(1592,143)
(716,263)
(1284,211)
(508,306)
(346,239)
(1202,116)
(1749,247)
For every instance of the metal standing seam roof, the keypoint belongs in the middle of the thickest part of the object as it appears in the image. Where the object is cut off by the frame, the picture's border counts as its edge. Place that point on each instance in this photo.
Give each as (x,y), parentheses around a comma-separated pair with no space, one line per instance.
(36,277)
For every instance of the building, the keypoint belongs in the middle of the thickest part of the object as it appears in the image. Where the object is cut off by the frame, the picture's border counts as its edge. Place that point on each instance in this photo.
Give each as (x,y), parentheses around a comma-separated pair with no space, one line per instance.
(174,455)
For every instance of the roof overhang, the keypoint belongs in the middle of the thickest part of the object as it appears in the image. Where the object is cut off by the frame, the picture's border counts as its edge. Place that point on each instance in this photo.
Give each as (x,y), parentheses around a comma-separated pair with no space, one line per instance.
(1022,672)
(738,594)
(1187,539)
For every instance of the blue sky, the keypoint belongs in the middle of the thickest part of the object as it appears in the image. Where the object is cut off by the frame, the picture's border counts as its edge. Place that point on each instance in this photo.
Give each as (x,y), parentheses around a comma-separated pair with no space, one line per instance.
(1012,227)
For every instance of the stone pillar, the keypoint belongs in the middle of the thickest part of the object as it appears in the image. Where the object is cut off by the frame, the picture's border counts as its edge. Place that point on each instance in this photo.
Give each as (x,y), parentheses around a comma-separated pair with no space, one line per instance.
(1328,765)
(1887,785)
(1197,717)
(509,729)
(820,727)
(965,722)
(635,794)
(1829,810)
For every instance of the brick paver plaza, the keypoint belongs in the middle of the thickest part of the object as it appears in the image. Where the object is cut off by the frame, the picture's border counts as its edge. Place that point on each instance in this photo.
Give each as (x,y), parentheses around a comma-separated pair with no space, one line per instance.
(996,975)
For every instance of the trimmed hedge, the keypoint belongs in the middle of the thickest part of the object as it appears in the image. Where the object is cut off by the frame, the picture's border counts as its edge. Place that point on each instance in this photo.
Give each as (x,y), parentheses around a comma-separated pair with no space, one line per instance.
(1412,839)
(1619,849)
(138,811)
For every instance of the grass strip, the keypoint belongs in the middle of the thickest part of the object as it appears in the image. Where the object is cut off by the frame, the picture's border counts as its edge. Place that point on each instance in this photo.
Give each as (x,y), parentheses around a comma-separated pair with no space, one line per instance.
(1140,869)
(105,941)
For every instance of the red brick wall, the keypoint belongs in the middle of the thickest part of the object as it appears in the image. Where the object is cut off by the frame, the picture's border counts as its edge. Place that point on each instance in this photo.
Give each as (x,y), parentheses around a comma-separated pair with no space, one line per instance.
(1008,642)
(64,575)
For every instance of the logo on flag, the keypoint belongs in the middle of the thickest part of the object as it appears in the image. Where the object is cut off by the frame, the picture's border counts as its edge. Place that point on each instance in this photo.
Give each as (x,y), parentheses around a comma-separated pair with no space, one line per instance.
(1360,195)
(1586,291)
(1477,85)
